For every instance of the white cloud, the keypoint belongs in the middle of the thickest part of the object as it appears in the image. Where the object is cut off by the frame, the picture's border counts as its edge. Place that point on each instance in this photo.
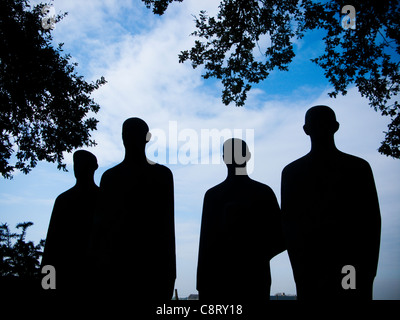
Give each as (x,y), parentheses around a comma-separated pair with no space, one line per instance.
(11,199)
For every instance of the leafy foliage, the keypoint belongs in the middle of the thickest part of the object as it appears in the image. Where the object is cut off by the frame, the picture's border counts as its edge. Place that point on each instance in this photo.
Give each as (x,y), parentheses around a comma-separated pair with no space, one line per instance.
(230,39)
(159,6)
(17,257)
(44,102)
(367,56)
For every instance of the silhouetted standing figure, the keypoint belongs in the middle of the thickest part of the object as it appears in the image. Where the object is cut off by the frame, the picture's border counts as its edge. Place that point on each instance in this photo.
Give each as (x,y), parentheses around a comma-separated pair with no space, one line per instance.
(138,217)
(68,239)
(331,215)
(240,232)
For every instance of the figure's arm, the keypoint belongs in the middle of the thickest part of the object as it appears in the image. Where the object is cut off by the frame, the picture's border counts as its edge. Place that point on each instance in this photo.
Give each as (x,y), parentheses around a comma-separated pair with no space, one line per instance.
(171,232)
(372,215)
(163,242)
(102,226)
(291,226)
(285,191)
(104,180)
(50,249)
(275,227)
(202,244)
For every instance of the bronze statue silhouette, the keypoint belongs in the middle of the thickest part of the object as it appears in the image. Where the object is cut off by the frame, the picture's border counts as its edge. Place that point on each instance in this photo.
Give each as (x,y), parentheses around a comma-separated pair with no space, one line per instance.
(137,218)
(240,232)
(331,216)
(68,240)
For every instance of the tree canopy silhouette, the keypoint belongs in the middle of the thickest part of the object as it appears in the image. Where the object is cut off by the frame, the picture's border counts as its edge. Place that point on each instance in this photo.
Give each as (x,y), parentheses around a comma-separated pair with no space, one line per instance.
(44,102)
(19,258)
(159,6)
(368,56)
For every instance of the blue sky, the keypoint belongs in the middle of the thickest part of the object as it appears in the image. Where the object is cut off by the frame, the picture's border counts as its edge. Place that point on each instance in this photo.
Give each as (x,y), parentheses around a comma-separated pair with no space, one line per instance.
(137,53)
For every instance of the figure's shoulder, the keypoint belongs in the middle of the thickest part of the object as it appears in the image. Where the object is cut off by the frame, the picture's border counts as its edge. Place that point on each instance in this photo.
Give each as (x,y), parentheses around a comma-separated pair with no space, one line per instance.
(112,173)
(297,164)
(114,170)
(161,169)
(250,185)
(75,191)
(262,187)
(65,199)
(159,172)
(354,162)
(259,190)
(353,159)
(62,197)
(216,190)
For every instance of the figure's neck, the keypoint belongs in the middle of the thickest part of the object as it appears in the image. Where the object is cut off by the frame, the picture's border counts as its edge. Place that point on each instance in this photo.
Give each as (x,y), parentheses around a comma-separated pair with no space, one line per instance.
(236,173)
(86,183)
(323,147)
(135,157)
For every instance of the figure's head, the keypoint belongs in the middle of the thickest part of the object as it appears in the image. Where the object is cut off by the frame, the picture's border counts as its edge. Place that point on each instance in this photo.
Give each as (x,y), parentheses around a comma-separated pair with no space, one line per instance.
(85,164)
(135,133)
(236,153)
(320,122)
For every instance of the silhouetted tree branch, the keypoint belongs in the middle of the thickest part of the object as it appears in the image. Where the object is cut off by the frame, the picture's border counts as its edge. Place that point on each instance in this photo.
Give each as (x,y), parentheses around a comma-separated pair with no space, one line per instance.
(159,6)
(367,56)
(44,102)
(19,258)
